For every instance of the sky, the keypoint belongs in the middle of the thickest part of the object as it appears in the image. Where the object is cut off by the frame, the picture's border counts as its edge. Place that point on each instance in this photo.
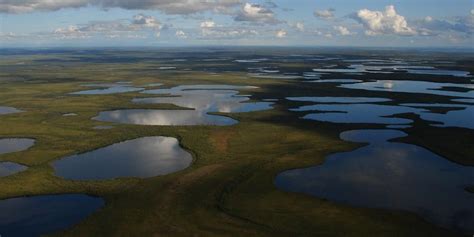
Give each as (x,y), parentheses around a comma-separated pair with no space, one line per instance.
(146,23)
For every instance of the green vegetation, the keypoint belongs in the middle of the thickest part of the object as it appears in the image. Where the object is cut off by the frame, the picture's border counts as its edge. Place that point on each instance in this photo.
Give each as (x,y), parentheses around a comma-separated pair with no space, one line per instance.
(228,190)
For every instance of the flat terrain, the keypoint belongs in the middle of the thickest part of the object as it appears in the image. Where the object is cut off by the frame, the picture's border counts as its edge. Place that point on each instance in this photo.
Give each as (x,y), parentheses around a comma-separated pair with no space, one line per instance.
(229,188)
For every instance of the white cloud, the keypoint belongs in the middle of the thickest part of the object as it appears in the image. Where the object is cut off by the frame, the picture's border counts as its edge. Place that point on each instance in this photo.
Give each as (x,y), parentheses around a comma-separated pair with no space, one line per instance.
(134,28)
(430,26)
(328,35)
(210,30)
(166,6)
(324,33)
(324,14)
(387,22)
(227,33)
(256,13)
(208,24)
(181,34)
(341,30)
(10,36)
(299,26)
(70,32)
(281,34)
(145,21)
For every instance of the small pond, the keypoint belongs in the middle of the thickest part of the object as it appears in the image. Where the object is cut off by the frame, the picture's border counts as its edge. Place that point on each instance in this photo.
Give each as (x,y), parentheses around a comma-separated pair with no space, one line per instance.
(9,168)
(8,110)
(9,145)
(108,88)
(142,157)
(163,117)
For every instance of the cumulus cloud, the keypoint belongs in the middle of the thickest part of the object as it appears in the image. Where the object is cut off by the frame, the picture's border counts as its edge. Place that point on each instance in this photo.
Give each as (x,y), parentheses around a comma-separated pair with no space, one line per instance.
(341,30)
(181,34)
(324,14)
(208,24)
(167,6)
(299,26)
(281,34)
(386,22)
(256,13)
(146,21)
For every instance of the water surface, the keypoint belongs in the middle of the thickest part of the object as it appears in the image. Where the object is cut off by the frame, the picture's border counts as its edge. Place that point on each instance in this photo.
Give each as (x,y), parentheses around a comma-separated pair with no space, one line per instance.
(387,175)
(336,81)
(462,115)
(142,157)
(274,76)
(108,91)
(204,101)
(8,110)
(469,101)
(163,117)
(438,72)
(9,168)
(9,145)
(198,102)
(345,100)
(385,68)
(103,127)
(357,113)
(434,88)
(41,215)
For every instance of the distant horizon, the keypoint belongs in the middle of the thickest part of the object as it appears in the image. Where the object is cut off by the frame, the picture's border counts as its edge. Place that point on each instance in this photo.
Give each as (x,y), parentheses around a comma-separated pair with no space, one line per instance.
(441,48)
(158,23)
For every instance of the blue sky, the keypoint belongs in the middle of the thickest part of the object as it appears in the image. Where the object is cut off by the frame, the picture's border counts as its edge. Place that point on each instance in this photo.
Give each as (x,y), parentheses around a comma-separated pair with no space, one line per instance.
(46,23)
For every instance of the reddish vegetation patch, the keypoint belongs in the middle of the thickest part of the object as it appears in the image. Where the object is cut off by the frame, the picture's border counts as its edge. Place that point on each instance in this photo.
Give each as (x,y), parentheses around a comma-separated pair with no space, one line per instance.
(220,139)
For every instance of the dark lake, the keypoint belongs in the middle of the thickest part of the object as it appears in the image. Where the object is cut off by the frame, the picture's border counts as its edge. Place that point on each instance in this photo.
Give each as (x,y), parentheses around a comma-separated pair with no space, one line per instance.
(363,110)
(390,175)
(40,215)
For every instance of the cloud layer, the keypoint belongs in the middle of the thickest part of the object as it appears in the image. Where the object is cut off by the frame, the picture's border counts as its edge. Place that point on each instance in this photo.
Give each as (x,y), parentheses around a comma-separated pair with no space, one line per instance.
(134,28)
(167,6)
(240,20)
